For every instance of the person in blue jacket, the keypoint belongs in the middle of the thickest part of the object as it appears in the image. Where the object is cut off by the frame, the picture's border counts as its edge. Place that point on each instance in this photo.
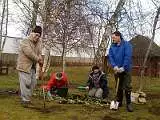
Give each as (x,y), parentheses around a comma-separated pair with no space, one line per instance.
(120,58)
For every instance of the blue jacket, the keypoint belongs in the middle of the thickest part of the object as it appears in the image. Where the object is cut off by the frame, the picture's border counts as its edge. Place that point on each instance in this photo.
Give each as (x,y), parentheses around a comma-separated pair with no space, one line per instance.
(121,55)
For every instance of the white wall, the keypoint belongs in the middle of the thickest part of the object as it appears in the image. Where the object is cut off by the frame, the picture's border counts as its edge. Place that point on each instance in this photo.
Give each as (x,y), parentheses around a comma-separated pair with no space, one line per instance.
(12,45)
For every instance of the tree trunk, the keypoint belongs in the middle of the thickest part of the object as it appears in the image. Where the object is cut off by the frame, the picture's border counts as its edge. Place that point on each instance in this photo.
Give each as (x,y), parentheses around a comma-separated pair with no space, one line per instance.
(64,50)
(34,13)
(1,29)
(65,35)
(47,60)
(148,50)
(46,29)
(63,61)
(6,25)
(2,21)
(109,28)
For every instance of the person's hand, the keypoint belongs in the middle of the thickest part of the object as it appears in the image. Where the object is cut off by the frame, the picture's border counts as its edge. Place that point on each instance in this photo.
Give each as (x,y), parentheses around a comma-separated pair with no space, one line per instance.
(49,93)
(87,87)
(116,69)
(120,70)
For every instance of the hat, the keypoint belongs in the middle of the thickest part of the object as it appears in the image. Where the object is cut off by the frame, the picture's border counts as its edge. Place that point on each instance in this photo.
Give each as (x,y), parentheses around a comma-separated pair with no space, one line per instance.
(37,29)
(95,67)
(59,76)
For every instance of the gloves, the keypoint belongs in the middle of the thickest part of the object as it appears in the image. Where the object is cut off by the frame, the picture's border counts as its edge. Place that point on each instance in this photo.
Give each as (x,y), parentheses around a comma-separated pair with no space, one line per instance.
(120,70)
(49,94)
(87,88)
(116,69)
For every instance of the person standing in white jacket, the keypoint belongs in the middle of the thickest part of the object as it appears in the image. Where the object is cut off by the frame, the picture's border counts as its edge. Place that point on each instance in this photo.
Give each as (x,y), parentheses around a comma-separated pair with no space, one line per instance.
(29,56)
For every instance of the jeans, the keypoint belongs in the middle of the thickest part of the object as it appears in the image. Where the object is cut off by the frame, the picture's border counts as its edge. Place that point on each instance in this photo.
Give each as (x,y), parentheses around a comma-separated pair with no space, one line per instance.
(27,84)
(96,92)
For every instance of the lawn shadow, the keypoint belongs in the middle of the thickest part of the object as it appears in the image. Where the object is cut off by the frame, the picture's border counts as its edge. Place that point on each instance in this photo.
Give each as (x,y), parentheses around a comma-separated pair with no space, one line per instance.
(107,117)
(154,109)
(48,109)
(142,118)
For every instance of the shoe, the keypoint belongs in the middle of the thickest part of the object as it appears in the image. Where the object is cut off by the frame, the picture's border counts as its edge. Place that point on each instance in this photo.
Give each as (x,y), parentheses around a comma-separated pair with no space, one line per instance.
(129,108)
(128,100)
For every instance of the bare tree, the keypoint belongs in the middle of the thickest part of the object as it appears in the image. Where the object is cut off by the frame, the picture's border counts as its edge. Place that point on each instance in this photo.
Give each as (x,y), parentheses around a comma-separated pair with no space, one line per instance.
(4,15)
(30,11)
(66,27)
(4,24)
(149,48)
(109,28)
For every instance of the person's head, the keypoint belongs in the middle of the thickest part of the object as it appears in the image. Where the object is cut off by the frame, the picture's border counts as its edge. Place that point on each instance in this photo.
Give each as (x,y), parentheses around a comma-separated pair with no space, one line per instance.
(116,37)
(36,33)
(59,76)
(95,69)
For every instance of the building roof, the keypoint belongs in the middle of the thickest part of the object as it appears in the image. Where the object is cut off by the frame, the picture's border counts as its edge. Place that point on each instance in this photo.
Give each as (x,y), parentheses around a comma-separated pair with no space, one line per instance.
(140,45)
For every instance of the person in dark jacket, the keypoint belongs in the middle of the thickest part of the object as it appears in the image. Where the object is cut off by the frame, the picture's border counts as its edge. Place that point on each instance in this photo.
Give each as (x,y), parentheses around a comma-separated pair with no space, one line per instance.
(120,58)
(97,83)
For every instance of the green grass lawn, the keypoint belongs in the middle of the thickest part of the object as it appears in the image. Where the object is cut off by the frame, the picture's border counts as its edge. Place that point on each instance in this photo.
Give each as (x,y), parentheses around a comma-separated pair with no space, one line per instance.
(11,109)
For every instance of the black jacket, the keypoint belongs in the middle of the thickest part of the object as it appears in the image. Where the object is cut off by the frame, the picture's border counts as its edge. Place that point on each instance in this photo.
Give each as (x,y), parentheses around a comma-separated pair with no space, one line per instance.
(102,83)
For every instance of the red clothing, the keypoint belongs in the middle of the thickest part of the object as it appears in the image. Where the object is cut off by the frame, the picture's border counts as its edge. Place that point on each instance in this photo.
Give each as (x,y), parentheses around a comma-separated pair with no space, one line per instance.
(57,83)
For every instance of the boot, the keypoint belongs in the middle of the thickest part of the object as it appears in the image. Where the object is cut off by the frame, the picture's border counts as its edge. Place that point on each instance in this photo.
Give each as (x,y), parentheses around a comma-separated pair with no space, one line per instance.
(120,97)
(128,101)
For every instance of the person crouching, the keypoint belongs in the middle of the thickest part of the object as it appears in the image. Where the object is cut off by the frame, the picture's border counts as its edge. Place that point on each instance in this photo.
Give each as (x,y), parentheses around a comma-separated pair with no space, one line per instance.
(58,84)
(97,84)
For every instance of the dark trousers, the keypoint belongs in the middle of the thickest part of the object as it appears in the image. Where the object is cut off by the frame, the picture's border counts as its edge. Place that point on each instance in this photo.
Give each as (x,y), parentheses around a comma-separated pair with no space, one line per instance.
(62,92)
(124,85)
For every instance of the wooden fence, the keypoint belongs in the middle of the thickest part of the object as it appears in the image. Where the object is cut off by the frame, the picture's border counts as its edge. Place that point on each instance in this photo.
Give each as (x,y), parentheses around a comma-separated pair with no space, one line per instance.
(11,60)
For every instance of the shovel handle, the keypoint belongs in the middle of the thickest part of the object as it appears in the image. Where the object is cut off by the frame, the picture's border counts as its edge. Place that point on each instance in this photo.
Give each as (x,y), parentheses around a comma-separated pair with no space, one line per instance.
(117,82)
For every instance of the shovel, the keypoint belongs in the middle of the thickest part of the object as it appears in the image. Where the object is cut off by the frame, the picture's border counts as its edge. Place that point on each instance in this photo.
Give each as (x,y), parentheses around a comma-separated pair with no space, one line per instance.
(114,103)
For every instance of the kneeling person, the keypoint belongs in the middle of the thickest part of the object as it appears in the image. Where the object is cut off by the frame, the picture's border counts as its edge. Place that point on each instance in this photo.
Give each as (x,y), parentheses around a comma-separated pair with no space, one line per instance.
(97,83)
(58,84)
